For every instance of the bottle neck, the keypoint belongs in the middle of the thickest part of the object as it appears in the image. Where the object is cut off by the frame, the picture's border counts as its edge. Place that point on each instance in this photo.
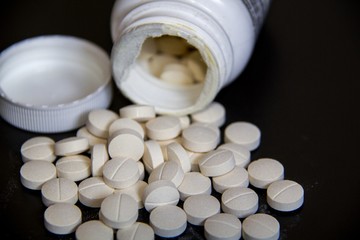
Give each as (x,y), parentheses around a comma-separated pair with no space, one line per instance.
(156,19)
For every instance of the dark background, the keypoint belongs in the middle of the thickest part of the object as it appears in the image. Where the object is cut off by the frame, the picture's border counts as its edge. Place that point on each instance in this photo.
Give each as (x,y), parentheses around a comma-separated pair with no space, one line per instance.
(300,88)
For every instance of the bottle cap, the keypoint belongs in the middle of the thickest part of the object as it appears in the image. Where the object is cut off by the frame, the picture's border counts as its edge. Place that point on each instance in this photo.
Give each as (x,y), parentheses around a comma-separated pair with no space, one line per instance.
(50,83)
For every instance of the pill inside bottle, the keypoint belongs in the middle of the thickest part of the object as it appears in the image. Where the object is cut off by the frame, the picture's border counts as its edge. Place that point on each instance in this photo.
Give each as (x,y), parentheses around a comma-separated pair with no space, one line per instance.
(171,62)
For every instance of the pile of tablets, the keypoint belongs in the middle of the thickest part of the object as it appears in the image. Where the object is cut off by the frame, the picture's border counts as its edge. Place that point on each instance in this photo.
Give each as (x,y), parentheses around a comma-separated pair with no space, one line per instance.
(134,159)
(172,60)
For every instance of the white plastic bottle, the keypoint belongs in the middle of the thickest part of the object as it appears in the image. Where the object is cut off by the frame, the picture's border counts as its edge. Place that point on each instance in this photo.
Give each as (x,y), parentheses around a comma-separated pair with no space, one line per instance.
(222,33)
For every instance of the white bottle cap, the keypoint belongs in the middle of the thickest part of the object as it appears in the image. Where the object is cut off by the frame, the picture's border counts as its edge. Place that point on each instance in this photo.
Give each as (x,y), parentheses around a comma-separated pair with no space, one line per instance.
(49,83)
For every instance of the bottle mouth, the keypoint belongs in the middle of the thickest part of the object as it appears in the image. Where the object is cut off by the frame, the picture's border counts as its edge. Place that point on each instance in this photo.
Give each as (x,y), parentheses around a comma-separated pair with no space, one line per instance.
(165,67)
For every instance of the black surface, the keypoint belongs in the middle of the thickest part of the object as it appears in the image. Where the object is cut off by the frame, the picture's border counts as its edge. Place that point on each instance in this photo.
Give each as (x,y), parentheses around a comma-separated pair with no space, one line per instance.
(301,88)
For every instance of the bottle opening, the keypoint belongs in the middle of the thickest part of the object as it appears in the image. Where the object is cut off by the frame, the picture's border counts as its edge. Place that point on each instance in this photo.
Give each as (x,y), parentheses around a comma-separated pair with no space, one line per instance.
(172,60)
(175,73)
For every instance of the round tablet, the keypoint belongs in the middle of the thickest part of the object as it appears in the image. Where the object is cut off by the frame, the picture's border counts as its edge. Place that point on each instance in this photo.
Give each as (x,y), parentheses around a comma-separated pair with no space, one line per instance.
(126,123)
(169,170)
(38,148)
(76,168)
(285,195)
(188,188)
(168,221)
(163,128)
(124,131)
(177,153)
(140,113)
(238,177)
(197,138)
(71,146)
(208,125)
(92,191)
(153,156)
(213,114)
(62,218)
(99,156)
(59,190)
(217,162)
(222,226)
(261,226)
(34,174)
(94,230)
(240,201)
(241,154)
(200,207)
(176,73)
(136,191)
(126,143)
(137,231)
(99,121)
(121,172)
(160,193)
(264,171)
(118,211)
(92,139)
(243,133)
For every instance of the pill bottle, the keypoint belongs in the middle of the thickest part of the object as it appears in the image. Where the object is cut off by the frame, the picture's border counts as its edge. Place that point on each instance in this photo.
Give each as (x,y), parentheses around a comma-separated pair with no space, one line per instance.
(219,37)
